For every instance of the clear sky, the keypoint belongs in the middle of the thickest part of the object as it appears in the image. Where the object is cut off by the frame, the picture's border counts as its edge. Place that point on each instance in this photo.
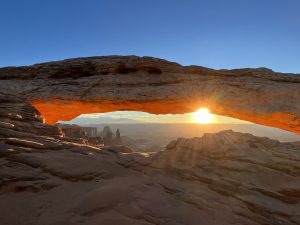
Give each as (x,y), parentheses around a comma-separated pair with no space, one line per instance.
(211,33)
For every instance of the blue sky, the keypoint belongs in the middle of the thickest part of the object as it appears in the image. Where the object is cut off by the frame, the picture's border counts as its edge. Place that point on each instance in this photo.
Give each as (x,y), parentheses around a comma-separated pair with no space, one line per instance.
(211,33)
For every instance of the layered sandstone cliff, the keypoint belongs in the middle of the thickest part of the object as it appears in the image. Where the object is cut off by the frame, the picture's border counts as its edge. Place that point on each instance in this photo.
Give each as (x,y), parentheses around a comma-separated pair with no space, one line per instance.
(65,89)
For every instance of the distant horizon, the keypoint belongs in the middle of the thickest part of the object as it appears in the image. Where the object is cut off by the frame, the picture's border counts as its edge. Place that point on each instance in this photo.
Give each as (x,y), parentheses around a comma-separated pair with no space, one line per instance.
(143,117)
(137,129)
(149,123)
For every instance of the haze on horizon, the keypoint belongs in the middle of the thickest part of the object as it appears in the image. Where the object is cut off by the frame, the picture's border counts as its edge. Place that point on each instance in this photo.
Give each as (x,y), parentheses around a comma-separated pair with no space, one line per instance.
(164,128)
(143,117)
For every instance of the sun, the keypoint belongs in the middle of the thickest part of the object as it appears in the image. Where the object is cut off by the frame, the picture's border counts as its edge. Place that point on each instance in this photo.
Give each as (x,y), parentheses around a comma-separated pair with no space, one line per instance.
(203,116)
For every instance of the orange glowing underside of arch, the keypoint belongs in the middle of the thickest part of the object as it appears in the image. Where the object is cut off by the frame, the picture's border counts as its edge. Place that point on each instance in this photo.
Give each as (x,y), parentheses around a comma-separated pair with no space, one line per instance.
(56,109)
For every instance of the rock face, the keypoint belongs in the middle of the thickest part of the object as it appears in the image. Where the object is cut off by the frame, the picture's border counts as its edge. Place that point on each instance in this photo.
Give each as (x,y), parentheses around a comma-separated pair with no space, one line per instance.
(90,131)
(72,131)
(109,138)
(75,131)
(65,89)
(107,135)
(221,179)
(118,139)
(78,134)
(20,119)
(256,177)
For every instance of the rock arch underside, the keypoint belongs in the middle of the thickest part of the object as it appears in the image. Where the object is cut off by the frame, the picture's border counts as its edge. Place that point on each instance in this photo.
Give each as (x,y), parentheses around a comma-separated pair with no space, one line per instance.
(220,178)
(65,89)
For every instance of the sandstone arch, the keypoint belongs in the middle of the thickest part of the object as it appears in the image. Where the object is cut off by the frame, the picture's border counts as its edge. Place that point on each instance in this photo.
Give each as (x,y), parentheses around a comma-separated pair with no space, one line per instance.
(65,89)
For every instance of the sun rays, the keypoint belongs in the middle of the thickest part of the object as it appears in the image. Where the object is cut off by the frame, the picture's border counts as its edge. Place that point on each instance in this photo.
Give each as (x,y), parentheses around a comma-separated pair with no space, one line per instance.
(203,116)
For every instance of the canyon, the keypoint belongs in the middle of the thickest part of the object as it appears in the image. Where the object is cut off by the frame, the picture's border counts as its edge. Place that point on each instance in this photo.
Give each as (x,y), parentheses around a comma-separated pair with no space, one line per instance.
(222,178)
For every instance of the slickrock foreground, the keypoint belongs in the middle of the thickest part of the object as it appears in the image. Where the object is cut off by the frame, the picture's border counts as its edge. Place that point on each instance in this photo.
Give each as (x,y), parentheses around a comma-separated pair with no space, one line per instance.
(246,180)
(65,89)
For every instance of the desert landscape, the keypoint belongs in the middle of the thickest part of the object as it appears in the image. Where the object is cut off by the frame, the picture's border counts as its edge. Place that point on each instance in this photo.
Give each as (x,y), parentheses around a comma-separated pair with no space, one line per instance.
(48,176)
(140,112)
(152,137)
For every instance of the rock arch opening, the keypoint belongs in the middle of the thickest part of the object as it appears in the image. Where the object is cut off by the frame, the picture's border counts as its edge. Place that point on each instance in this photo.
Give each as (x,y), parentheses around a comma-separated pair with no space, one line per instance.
(144,132)
(57,109)
(65,89)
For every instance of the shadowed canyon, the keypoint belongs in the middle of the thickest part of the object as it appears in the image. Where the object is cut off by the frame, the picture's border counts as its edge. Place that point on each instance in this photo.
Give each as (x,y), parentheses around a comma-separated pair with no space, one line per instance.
(220,178)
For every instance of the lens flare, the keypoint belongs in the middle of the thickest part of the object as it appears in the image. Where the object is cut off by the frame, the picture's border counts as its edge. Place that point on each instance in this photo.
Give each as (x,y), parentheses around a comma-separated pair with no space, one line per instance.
(203,116)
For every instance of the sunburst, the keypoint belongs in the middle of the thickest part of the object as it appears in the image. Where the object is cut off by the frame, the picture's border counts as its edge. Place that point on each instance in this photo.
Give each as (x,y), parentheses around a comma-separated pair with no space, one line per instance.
(203,116)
